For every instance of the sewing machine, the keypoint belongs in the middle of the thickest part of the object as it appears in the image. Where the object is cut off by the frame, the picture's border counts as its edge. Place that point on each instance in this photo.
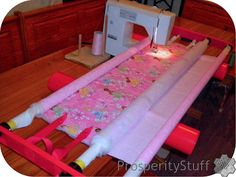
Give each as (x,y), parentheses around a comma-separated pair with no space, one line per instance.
(120,17)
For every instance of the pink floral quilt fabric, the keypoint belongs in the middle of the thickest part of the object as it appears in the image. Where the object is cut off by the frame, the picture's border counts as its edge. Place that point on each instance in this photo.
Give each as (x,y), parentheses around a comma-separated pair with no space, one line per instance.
(105,98)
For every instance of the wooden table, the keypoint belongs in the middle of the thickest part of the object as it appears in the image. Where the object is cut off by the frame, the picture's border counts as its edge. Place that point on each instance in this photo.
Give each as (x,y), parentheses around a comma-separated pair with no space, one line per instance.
(27,84)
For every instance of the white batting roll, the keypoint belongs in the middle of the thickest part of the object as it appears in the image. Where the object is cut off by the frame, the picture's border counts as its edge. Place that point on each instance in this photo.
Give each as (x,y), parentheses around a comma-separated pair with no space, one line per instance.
(25,118)
(137,169)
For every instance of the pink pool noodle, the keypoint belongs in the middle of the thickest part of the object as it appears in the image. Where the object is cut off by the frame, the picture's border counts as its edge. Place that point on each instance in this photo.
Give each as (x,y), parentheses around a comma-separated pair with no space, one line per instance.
(221,71)
(58,80)
(183,138)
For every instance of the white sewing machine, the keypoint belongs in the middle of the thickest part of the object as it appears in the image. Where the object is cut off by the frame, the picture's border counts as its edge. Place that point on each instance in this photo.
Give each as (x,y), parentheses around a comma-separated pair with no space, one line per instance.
(121,15)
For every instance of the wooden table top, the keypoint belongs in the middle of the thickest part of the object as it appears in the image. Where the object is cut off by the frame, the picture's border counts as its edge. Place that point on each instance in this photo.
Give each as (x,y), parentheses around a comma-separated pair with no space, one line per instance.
(27,84)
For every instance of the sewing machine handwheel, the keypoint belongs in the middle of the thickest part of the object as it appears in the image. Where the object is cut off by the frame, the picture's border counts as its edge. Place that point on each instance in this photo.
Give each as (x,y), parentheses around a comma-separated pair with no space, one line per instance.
(74,166)
(5,125)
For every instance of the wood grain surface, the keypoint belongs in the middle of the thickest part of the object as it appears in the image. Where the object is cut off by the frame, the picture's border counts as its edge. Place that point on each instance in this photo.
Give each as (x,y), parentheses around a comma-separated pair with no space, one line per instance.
(27,84)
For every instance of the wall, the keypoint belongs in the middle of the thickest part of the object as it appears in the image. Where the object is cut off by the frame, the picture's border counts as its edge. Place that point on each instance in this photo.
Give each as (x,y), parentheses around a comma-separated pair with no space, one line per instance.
(175,8)
(208,13)
(27,36)
(33,4)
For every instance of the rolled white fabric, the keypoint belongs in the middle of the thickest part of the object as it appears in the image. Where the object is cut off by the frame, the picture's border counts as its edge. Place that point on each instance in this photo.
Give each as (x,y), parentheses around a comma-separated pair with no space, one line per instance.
(173,39)
(88,156)
(140,167)
(193,43)
(24,119)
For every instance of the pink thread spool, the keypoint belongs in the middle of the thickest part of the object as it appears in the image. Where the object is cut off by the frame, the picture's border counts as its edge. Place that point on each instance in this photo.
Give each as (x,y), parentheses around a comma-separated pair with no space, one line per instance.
(97,48)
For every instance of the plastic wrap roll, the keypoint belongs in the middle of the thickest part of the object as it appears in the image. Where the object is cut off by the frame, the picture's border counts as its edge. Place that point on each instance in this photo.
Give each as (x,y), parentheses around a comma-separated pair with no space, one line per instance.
(137,110)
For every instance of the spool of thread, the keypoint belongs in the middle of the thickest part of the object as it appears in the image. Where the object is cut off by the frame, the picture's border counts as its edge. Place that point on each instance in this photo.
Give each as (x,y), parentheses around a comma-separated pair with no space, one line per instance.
(97,48)
(183,138)
(59,80)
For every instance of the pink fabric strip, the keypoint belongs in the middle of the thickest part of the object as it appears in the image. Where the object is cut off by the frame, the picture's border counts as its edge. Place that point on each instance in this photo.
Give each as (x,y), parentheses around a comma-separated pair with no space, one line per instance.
(35,154)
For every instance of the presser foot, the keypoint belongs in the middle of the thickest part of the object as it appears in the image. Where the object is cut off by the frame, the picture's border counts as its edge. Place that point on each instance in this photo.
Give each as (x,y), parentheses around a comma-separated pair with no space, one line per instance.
(154,48)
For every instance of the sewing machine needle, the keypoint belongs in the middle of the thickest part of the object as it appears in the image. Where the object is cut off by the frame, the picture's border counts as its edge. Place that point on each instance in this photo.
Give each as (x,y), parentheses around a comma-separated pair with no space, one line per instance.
(151,41)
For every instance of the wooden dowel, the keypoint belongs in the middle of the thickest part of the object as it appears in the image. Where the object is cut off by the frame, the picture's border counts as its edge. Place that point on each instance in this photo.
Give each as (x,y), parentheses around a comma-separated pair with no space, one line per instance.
(79,42)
